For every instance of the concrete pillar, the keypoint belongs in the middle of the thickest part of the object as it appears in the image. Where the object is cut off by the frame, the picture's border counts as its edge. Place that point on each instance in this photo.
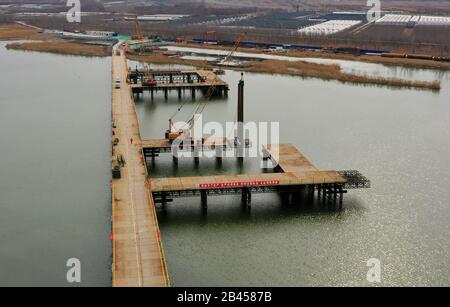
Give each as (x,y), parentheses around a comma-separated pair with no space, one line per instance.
(219,154)
(204,199)
(324,197)
(164,198)
(240,114)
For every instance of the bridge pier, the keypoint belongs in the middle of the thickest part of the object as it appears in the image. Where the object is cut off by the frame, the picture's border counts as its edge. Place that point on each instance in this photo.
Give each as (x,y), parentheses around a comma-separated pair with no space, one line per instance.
(324,194)
(166,94)
(246,197)
(219,154)
(193,94)
(179,94)
(204,200)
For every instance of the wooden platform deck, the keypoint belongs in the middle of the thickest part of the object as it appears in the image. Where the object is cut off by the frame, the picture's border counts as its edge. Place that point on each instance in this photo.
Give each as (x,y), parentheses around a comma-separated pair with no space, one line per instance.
(289,158)
(206,142)
(177,80)
(138,258)
(297,171)
(156,143)
(240,181)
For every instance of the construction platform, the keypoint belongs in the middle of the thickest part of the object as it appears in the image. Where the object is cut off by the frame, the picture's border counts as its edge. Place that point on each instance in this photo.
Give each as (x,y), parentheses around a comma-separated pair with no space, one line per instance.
(165,81)
(138,256)
(295,175)
(152,148)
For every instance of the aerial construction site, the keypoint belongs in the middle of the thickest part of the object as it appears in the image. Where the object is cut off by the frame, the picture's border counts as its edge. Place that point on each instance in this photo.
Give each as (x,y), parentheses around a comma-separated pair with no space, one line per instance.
(189,143)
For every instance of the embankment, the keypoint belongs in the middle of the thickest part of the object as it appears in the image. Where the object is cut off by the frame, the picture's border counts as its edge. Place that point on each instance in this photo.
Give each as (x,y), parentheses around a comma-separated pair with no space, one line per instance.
(63,47)
(300,68)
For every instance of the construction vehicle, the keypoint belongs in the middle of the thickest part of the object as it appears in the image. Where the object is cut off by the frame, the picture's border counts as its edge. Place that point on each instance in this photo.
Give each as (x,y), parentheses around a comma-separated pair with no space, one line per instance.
(227,60)
(151,82)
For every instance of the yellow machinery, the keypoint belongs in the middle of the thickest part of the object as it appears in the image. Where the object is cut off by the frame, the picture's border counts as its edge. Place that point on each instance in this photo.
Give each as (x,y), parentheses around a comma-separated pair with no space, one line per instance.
(137,30)
(235,47)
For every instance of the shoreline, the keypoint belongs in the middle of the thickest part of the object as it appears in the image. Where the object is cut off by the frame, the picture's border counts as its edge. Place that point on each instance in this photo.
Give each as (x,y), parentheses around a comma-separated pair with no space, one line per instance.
(328,72)
(63,48)
(37,42)
(399,62)
(301,68)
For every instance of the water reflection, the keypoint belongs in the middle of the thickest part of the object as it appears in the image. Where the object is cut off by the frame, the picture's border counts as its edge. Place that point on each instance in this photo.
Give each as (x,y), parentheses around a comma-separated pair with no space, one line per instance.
(397,138)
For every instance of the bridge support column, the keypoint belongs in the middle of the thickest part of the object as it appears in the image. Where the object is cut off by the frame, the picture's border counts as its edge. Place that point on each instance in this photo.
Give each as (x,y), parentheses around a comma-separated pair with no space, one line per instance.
(246,197)
(341,197)
(325,194)
(175,155)
(219,154)
(310,191)
(290,198)
(163,198)
(197,148)
(166,94)
(179,94)
(193,93)
(152,94)
(335,192)
(204,199)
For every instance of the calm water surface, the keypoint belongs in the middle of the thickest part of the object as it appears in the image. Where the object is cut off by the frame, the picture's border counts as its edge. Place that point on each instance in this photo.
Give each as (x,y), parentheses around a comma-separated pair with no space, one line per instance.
(54,168)
(399,138)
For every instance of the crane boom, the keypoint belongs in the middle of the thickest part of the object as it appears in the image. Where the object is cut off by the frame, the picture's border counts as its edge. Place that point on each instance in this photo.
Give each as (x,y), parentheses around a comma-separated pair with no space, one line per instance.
(237,43)
(137,30)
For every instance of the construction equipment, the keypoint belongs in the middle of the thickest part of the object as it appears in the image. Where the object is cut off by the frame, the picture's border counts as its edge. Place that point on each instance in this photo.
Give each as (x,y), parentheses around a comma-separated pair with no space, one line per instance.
(173,132)
(137,30)
(210,34)
(237,43)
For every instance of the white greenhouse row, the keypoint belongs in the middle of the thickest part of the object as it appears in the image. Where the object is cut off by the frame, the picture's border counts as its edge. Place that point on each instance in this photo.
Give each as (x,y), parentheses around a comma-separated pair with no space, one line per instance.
(392,19)
(329,27)
(434,21)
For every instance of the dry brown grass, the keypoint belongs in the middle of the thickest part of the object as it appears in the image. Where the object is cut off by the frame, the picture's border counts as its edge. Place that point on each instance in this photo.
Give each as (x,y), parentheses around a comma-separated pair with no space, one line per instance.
(19,32)
(301,69)
(158,58)
(63,47)
(409,63)
(333,72)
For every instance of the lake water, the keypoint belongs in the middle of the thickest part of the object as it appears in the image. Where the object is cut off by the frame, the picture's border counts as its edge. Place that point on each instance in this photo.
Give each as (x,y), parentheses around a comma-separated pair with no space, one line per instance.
(396,137)
(55,168)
